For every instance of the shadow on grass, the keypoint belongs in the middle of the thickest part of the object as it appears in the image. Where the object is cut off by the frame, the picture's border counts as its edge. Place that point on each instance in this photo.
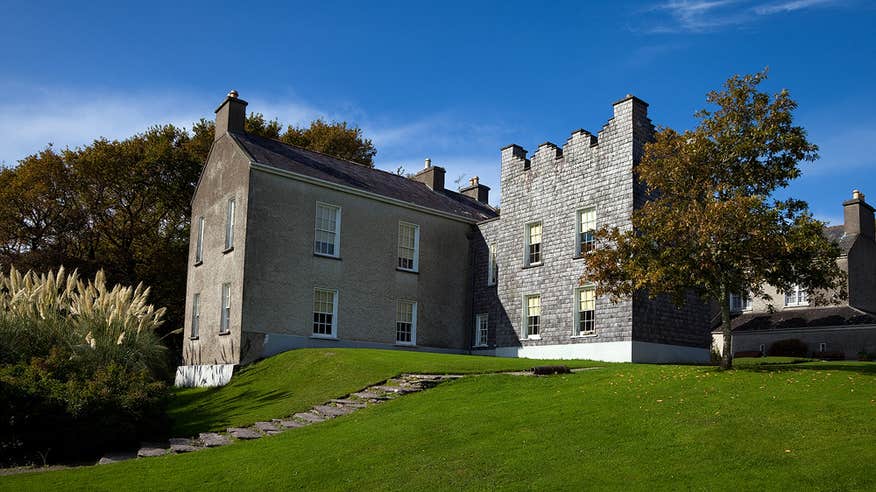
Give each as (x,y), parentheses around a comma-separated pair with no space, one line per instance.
(858,367)
(203,411)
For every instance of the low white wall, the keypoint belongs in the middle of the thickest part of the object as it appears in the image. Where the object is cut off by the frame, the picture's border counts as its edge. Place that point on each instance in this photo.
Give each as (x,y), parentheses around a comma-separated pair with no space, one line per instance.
(203,376)
(610,352)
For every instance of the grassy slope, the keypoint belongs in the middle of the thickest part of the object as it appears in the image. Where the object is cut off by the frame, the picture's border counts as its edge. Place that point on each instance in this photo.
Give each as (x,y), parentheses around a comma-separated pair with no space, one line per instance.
(297,380)
(806,426)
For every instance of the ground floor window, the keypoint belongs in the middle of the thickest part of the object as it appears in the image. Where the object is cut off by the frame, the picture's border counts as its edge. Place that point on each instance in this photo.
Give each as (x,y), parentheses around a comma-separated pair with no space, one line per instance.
(325,312)
(481,330)
(406,322)
(585,322)
(532,315)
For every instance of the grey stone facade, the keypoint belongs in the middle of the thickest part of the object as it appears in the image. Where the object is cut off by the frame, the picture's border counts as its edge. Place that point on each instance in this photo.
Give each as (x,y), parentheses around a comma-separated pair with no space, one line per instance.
(551,187)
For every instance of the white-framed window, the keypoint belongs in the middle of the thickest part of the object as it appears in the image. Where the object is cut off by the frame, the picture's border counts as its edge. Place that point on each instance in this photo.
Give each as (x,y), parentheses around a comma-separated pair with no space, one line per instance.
(481,329)
(406,322)
(408,246)
(739,303)
(225,315)
(493,267)
(327,237)
(532,315)
(229,225)
(585,226)
(585,311)
(797,296)
(822,347)
(199,244)
(196,315)
(325,313)
(533,243)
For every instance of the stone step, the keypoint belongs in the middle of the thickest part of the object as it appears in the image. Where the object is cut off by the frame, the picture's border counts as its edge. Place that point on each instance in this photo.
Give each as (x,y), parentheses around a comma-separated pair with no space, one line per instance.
(266,427)
(349,403)
(212,439)
(289,424)
(151,450)
(182,445)
(330,411)
(309,417)
(370,395)
(117,457)
(244,433)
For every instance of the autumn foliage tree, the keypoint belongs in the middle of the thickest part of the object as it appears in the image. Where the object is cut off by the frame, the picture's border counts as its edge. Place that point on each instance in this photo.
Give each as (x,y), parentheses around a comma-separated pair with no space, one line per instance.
(712,225)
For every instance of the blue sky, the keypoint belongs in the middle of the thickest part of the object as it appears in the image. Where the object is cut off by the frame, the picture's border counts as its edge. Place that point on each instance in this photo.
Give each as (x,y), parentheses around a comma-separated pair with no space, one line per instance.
(451,81)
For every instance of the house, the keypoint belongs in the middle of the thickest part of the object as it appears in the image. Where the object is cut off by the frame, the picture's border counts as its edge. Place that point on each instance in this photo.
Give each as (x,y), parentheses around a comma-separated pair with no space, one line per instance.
(292,248)
(842,330)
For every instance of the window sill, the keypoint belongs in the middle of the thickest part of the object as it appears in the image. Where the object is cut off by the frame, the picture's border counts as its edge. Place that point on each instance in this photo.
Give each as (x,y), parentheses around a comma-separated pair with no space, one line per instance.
(198,263)
(224,333)
(797,305)
(227,250)
(592,335)
(331,257)
(194,338)
(533,265)
(578,257)
(400,269)
(482,346)
(405,344)
(323,337)
(533,337)
(491,284)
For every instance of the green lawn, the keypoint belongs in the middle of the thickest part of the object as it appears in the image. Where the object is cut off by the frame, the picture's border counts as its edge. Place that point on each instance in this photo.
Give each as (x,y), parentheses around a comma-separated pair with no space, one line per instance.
(295,381)
(622,427)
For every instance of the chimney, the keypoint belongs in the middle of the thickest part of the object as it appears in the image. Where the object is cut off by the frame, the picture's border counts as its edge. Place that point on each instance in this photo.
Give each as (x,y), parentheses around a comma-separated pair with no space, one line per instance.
(477,191)
(858,216)
(230,115)
(431,176)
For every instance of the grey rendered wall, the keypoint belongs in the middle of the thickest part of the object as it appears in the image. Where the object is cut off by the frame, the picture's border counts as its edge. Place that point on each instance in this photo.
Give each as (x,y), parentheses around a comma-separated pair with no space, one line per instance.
(850,340)
(282,270)
(586,172)
(225,175)
(862,274)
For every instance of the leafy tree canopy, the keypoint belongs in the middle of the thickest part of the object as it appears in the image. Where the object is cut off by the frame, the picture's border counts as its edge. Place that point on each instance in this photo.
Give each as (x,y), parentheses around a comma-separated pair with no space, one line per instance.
(712,224)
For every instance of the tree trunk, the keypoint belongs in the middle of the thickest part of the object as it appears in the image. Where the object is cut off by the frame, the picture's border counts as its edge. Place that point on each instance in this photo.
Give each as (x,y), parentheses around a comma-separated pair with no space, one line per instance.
(727,352)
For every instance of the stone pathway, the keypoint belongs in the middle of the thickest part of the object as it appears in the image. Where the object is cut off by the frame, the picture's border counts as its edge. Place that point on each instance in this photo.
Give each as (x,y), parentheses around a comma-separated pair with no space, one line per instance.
(373,395)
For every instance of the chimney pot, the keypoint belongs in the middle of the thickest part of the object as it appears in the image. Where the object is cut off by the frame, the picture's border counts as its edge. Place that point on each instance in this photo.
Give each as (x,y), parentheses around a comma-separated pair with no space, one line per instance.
(233,93)
(857,195)
(428,163)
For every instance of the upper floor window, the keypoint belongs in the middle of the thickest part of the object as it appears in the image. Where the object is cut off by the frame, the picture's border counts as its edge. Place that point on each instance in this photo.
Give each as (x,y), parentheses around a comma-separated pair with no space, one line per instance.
(797,296)
(406,322)
(328,227)
(408,246)
(493,267)
(739,303)
(533,243)
(199,244)
(325,312)
(229,225)
(481,330)
(225,315)
(586,226)
(585,314)
(196,315)
(532,315)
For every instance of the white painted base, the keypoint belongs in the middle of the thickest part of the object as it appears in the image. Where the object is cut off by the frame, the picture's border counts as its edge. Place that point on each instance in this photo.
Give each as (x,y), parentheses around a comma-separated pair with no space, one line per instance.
(203,376)
(610,352)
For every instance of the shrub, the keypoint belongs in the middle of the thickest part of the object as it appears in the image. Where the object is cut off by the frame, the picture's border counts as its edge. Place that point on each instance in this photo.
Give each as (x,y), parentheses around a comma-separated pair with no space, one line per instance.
(82,370)
(791,347)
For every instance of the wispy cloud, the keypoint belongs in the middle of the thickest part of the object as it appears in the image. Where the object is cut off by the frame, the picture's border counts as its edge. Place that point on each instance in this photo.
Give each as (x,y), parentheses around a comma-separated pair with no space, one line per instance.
(697,16)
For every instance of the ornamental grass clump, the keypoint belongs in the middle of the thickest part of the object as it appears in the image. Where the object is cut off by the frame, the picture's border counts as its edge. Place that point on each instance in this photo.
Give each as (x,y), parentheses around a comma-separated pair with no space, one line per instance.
(90,321)
(82,370)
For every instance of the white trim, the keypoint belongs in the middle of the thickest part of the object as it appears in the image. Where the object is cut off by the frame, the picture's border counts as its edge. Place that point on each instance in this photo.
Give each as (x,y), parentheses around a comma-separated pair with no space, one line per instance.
(195,328)
(576,313)
(526,244)
(797,289)
(492,265)
(199,245)
(337,232)
(224,321)
(577,245)
(335,297)
(356,191)
(416,258)
(230,212)
(524,316)
(610,352)
(480,341)
(413,304)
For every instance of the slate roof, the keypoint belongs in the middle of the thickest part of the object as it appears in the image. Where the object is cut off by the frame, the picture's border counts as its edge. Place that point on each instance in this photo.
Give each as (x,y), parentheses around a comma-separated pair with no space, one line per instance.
(837,234)
(339,171)
(802,318)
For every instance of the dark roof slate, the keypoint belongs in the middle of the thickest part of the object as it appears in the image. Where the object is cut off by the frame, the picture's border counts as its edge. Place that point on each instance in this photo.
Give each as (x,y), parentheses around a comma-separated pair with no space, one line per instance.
(327,168)
(802,318)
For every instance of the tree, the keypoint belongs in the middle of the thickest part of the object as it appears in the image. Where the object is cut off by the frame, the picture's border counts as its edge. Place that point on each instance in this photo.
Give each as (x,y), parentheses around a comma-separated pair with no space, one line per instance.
(712,225)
